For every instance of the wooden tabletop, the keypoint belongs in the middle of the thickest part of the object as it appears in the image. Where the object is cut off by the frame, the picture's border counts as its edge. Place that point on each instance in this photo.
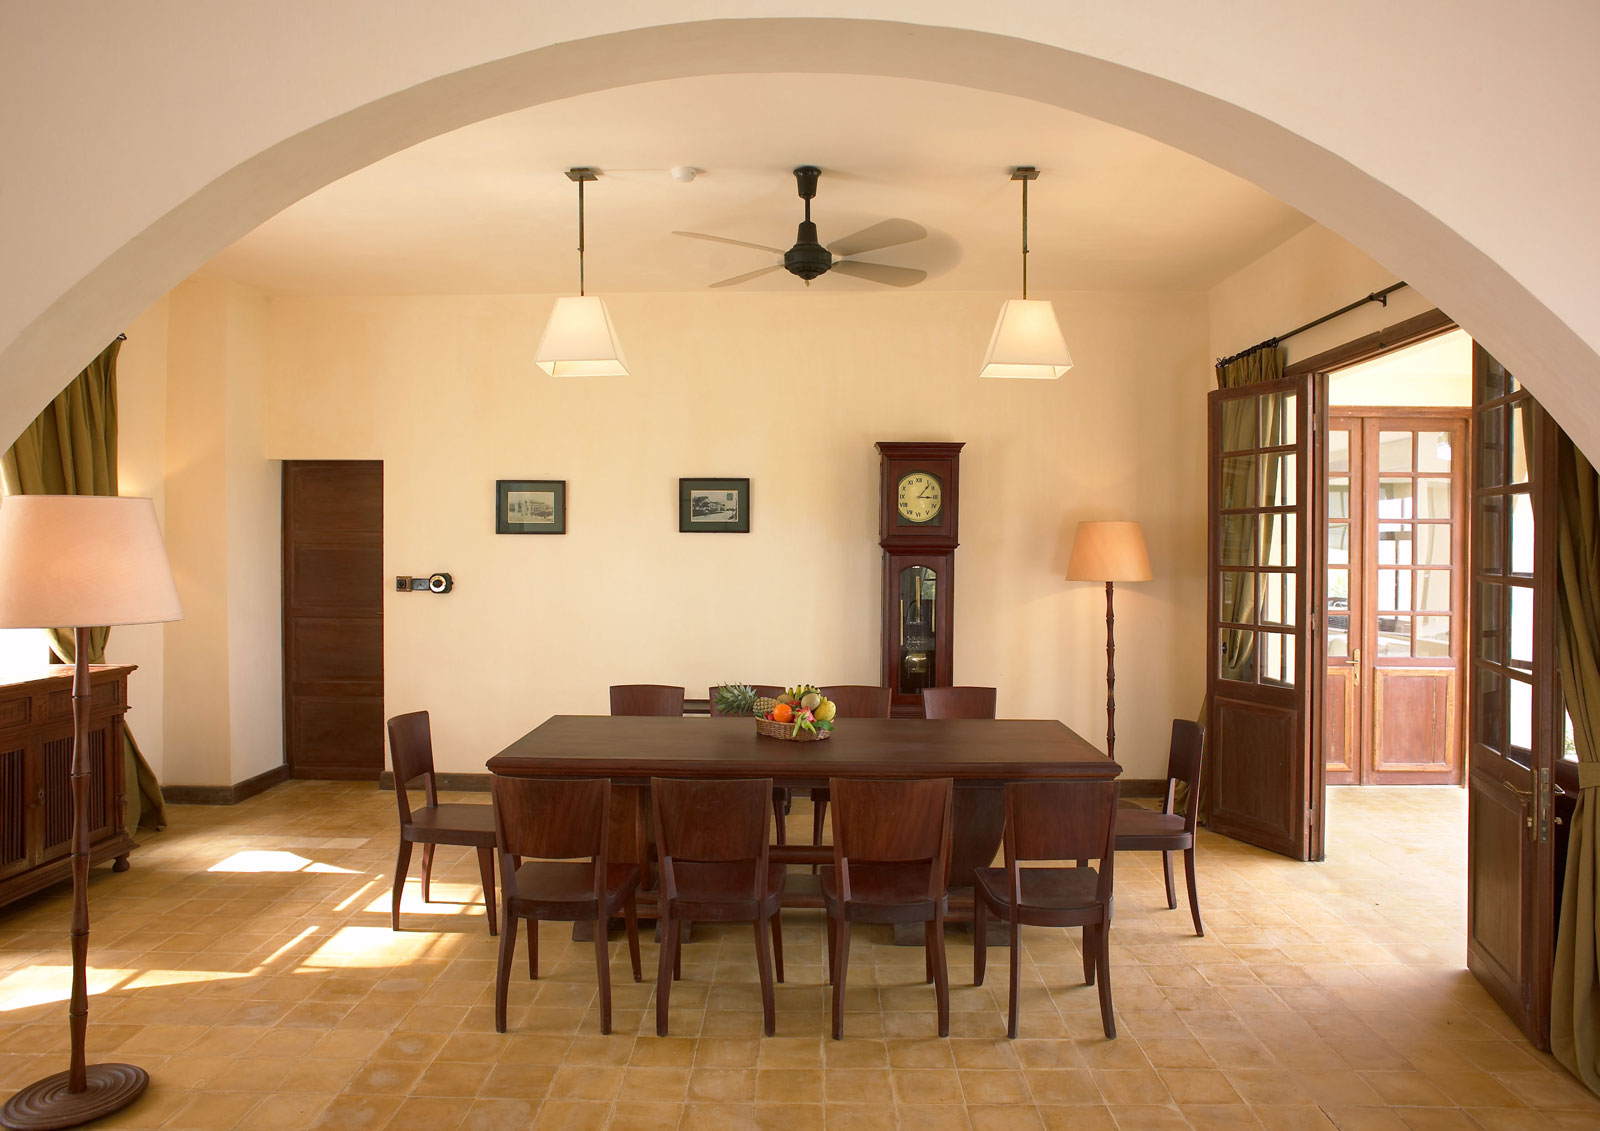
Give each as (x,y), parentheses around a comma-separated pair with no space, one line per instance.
(974,751)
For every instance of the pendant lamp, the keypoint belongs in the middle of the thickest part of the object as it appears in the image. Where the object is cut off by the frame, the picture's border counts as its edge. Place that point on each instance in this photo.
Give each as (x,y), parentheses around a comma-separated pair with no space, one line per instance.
(579,340)
(1027,341)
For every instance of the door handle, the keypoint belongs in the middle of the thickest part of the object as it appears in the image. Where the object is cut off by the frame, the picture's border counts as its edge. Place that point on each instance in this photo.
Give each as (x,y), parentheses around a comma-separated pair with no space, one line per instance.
(1355,666)
(1528,798)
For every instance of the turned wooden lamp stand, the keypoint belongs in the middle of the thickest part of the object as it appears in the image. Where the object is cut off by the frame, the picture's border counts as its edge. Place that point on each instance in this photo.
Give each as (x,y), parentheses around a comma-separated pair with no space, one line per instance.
(1109,552)
(80,560)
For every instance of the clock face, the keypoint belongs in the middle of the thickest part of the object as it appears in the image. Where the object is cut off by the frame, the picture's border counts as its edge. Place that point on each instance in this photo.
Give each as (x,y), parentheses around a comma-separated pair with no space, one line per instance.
(920,497)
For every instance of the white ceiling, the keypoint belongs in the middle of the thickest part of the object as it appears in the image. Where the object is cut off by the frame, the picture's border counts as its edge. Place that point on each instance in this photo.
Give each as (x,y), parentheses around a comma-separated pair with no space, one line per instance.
(487,209)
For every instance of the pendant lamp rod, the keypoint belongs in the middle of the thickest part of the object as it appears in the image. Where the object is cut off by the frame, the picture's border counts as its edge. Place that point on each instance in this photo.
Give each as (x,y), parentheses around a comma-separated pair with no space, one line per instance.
(1024,173)
(581,173)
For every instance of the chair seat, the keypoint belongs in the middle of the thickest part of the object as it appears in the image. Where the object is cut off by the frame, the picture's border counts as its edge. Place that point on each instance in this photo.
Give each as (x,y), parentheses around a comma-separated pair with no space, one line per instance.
(554,886)
(883,892)
(721,892)
(453,823)
(1143,829)
(1045,891)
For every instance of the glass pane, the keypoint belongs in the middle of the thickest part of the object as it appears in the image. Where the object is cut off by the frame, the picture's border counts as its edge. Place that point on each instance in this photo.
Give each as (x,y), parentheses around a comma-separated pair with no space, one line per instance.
(1431,590)
(1492,447)
(1277,539)
(1237,655)
(1277,598)
(1521,633)
(1489,709)
(1433,637)
(1394,498)
(1239,424)
(1521,719)
(1339,498)
(1338,637)
(1433,498)
(1394,543)
(1521,532)
(1277,660)
(1491,380)
(1338,588)
(1394,451)
(1491,613)
(1238,478)
(1339,543)
(1521,441)
(1491,534)
(1277,480)
(1237,599)
(918,588)
(1277,419)
(1432,543)
(1433,451)
(1338,451)
(1238,539)
(1394,590)
(1394,636)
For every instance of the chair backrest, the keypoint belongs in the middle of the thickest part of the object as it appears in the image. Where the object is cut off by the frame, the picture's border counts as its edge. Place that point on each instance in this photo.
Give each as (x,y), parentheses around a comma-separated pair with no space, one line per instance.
(1063,820)
(646,699)
(900,822)
(411,757)
(958,702)
(1183,765)
(859,701)
(765,690)
(551,819)
(712,822)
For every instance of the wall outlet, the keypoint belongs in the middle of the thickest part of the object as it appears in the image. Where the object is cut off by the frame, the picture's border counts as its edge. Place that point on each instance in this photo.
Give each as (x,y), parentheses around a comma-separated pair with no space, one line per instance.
(402,585)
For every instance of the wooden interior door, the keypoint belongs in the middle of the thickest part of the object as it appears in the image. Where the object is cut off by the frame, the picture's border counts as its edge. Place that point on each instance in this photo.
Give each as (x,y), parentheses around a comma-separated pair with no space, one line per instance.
(1264,774)
(1515,715)
(1345,612)
(333,618)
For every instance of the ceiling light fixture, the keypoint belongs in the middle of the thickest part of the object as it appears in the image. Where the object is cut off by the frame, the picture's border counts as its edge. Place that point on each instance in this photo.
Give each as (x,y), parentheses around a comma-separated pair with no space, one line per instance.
(1027,339)
(579,340)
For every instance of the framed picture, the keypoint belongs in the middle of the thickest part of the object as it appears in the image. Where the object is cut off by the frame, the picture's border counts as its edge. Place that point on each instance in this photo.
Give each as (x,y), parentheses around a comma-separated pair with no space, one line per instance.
(530,506)
(714,506)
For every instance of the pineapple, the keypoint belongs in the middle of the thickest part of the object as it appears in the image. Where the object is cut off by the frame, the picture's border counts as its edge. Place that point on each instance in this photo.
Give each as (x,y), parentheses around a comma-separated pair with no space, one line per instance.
(736,699)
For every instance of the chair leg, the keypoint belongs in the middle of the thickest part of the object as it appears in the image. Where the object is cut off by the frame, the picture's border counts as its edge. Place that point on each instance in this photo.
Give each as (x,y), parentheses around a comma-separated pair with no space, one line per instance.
(677,950)
(486,878)
(427,873)
(830,928)
(819,814)
(941,972)
(533,946)
(980,937)
(1015,958)
(841,964)
(630,916)
(402,865)
(1166,871)
(602,962)
(1108,1019)
(777,943)
(769,1020)
(502,970)
(927,954)
(1194,900)
(777,819)
(664,967)
(1088,954)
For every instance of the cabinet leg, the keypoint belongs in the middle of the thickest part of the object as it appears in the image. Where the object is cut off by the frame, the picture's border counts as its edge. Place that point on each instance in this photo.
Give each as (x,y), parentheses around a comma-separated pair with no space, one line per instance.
(120,864)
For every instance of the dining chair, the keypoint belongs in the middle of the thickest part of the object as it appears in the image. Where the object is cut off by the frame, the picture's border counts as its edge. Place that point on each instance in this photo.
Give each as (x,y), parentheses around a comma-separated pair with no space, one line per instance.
(891,864)
(471,826)
(1166,832)
(712,838)
(851,701)
(1053,821)
(958,702)
(552,836)
(646,699)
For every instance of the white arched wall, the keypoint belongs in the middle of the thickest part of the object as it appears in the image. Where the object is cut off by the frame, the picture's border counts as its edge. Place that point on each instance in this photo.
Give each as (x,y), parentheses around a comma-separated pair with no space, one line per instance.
(1452,142)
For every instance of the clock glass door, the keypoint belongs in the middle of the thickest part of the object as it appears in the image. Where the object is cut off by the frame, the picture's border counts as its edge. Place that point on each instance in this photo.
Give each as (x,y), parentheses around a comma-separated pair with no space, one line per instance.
(919,627)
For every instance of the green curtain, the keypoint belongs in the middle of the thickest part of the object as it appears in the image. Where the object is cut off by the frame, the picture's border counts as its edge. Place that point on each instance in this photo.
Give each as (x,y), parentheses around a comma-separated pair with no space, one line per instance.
(71,449)
(1575,992)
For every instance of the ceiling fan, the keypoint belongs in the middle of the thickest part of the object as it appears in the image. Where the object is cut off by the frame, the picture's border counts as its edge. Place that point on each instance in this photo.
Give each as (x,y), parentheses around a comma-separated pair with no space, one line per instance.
(808,258)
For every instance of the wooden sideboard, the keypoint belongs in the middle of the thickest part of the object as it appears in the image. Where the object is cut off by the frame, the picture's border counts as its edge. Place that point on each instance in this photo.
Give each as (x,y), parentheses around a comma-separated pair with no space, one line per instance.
(35,777)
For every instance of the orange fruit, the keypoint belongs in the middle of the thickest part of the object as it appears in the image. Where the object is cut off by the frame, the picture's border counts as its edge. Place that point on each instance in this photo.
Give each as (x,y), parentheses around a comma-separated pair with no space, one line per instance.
(782,713)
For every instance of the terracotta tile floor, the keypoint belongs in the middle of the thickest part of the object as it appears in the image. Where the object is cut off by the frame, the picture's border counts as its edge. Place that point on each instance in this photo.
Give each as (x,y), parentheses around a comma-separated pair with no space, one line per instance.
(247,962)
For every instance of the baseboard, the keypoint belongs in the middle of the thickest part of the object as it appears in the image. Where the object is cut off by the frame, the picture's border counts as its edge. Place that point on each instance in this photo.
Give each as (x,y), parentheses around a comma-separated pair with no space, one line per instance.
(225,794)
(479,783)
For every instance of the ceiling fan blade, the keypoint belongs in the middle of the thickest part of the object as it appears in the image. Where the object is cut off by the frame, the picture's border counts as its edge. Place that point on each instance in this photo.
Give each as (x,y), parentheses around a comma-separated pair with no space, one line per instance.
(885,233)
(747,276)
(879,273)
(725,239)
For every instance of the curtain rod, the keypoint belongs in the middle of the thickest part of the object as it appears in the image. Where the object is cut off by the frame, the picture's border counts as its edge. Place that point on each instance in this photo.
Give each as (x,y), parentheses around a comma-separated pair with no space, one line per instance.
(1380,297)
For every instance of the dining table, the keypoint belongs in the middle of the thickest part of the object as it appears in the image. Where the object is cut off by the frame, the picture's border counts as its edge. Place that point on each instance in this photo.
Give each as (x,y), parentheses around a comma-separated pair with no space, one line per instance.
(980,755)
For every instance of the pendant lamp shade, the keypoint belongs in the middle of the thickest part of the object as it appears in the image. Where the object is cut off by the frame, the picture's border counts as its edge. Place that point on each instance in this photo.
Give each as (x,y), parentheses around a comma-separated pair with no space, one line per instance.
(1027,342)
(579,341)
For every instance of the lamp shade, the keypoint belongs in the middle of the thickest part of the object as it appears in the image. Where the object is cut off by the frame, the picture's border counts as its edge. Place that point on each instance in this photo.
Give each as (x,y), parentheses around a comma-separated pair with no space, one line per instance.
(1027,342)
(75,561)
(579,341)
(1108,551)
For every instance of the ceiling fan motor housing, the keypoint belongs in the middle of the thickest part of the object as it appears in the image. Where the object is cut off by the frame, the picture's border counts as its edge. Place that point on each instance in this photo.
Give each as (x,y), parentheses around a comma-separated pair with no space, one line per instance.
(807,258)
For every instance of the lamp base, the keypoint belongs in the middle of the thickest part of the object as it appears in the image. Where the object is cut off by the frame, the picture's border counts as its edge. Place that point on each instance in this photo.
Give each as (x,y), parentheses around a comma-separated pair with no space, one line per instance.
(46,1105)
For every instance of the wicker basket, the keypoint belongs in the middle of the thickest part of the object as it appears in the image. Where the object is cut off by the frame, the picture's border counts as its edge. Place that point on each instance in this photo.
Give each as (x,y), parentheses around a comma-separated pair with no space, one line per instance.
(769,729)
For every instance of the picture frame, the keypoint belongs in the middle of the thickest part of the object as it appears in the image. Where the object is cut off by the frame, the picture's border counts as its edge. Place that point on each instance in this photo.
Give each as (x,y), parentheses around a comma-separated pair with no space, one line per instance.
(713,506)
(530,506)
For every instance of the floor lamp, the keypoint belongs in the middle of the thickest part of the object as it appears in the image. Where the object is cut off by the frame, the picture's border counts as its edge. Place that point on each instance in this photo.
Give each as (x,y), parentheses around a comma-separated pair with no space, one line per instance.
(77,561)
(1109,552)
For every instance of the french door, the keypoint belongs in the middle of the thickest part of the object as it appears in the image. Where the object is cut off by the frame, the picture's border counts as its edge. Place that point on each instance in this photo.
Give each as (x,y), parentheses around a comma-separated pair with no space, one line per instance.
(1266,543)
(1396,596)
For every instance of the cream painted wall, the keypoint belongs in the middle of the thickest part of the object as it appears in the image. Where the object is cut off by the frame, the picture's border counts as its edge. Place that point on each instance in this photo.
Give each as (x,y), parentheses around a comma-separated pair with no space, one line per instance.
(791,390)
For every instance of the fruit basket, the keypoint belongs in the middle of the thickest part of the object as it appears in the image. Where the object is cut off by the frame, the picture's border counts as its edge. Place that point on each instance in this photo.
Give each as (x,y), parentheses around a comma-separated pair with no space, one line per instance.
(800,714)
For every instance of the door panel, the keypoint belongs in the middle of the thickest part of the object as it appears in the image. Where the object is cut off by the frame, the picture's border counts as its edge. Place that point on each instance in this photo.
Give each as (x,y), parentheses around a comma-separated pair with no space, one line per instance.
(1344,611)
(1414,729)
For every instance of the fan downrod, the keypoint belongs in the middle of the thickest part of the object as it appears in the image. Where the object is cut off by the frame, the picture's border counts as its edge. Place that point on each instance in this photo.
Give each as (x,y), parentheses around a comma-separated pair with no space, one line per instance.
(807,258)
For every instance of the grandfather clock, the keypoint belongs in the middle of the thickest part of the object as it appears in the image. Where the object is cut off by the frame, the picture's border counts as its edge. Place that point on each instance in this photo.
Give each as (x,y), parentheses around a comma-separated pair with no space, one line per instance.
(920,489)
